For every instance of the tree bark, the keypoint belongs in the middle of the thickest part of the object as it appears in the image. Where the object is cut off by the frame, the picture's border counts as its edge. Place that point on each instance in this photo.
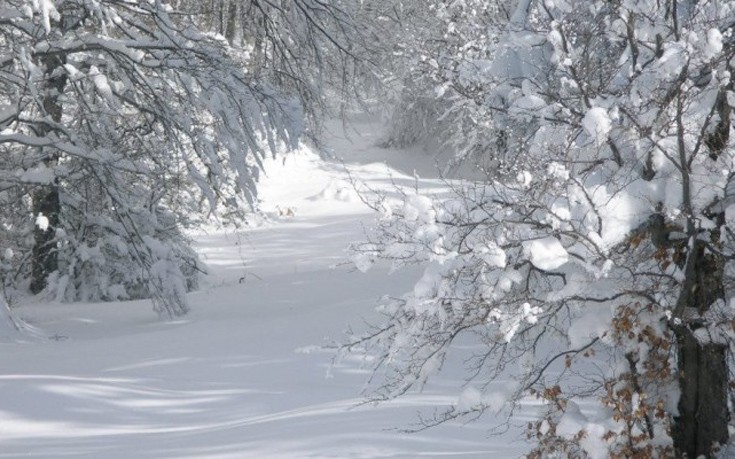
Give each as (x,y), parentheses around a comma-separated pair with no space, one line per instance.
(703,413)
(231,28)
(44,256)
(703,410)
(46,201)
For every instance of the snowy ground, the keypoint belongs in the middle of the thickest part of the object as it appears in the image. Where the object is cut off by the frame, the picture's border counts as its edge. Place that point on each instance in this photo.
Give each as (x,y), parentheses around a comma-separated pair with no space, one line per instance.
(242,376)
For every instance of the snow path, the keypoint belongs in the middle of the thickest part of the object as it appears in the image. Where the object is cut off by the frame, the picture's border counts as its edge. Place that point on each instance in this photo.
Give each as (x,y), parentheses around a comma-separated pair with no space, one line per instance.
(242,376)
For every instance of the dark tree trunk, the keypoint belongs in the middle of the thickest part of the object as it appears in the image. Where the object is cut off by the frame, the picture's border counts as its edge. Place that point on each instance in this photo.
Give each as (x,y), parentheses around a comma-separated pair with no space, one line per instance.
(45,260)
(703,411)
(232,17)
(46,201)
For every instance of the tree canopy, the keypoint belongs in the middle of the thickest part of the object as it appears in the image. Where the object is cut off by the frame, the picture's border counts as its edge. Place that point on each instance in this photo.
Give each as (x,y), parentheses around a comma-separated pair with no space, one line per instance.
(119,123)
(598,249)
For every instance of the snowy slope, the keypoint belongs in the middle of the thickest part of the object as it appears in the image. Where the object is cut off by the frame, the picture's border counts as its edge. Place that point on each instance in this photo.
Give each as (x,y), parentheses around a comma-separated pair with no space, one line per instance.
(242,376)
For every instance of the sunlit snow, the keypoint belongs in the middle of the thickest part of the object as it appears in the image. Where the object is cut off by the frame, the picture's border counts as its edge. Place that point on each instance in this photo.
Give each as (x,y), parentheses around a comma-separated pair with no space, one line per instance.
(243,374)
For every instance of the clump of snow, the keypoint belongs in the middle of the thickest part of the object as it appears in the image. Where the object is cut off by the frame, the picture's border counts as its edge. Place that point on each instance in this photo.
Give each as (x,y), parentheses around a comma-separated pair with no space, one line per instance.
(336,191)
(101,83)
(597,123)
(530,313)
(441,89)
(419,208)
(493,255)
(561,211)
(427,286)
(362,261)
(42,222)
(556,40)
(508,278)
(730,214)
(557,171)
(623,212)
(509,322)
(524,178)
(558,213)
(592,442)
(48,11)
(714,43)
(546,254)
(74,73)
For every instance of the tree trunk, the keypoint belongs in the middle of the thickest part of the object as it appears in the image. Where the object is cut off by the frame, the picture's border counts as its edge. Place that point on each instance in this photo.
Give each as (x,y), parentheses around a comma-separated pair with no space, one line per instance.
(703,406)
(703,413)
(46,201)
(44,259)
(231,34)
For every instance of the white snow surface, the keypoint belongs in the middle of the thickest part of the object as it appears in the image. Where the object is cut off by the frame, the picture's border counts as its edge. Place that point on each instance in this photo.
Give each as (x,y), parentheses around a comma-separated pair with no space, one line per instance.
(8,326)
(243,375)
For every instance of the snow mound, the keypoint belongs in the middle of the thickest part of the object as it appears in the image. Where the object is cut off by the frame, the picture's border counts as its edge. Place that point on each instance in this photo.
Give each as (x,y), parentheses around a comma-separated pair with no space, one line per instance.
(336,191)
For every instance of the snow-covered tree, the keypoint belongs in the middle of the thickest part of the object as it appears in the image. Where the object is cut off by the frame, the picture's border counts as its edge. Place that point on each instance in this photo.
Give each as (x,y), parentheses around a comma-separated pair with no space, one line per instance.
(315,50)
(118,124)
(436,101)
(598,254)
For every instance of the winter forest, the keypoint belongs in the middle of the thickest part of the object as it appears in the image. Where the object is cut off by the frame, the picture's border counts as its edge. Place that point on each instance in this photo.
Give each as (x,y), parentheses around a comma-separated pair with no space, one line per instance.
(367,228)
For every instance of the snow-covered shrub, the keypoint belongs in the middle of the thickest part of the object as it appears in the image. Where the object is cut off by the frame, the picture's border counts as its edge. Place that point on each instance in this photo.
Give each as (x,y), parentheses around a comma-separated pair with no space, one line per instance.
(104,259)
